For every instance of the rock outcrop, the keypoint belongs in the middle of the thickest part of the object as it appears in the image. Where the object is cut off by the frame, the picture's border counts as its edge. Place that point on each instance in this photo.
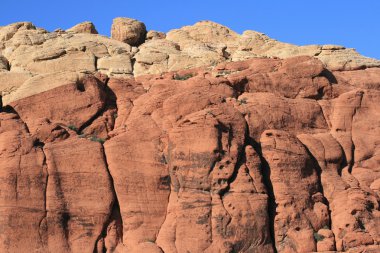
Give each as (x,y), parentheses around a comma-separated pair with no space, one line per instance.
(84,27)
(200,140)
(128,30)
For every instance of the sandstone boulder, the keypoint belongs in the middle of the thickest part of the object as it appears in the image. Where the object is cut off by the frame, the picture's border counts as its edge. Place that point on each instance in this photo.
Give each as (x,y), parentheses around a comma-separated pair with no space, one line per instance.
(128,30)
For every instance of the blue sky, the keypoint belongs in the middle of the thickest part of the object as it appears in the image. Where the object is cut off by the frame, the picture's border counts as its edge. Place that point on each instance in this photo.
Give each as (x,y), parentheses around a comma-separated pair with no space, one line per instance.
(351,23)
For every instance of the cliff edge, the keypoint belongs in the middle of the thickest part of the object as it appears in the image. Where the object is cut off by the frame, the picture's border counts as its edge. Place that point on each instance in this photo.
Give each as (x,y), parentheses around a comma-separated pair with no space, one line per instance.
(198,140)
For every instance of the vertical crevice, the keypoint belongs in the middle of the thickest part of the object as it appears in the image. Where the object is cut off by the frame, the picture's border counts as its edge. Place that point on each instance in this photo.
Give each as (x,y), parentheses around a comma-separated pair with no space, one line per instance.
(266,172)
(320,185)
(166,181)
(96,63)
(62,217)
(43,222)
(352,162)
(115,214)
(133,62)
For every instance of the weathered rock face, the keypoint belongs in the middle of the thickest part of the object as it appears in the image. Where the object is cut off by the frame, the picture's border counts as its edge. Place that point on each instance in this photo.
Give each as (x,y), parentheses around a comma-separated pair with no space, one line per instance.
(84,27)
(129,31)
(260,155)
(28,52)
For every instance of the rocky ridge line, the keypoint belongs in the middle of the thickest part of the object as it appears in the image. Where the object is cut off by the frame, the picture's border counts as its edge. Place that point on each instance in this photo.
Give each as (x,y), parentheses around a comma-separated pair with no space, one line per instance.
(261,155)
(30,57)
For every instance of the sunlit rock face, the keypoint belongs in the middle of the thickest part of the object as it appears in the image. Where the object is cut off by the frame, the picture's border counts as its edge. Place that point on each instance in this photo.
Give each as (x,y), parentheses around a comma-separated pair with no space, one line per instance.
(198,140)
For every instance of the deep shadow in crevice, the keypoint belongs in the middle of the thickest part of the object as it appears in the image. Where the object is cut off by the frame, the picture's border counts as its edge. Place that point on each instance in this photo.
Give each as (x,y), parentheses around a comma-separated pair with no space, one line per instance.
(266,172)
(11,110)
(329,75)
(240,87)
(115,215)
(8,109)
(315,164)
(80,86)
(240,159)
(110,103)
(133,62)
(266,176)
(65,218)
(38,143)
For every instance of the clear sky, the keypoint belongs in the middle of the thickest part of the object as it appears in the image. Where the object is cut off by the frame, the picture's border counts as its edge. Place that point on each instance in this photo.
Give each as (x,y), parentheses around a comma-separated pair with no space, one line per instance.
(352,23)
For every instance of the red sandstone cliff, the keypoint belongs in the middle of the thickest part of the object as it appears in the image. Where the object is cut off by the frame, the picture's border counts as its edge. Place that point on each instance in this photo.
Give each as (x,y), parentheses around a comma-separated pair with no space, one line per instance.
(103,148)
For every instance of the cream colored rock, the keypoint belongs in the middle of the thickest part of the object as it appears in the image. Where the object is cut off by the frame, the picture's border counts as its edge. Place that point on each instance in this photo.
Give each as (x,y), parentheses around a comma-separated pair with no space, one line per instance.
(346,59)
(204,33)
(70,61)
(42,59)
(28,37)
(11,81)
(154,35)
(41,83)
(335,57)
(262,45)
(70,52)
(153,57)
(253,44)
(128,30)
(115,65)
(207,42)
(60,53)
(160,56)
(7,32)
(31,49)
(84,27)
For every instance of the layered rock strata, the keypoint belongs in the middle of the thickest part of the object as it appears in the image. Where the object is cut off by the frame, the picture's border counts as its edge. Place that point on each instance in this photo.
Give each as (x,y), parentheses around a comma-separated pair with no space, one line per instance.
(267,154)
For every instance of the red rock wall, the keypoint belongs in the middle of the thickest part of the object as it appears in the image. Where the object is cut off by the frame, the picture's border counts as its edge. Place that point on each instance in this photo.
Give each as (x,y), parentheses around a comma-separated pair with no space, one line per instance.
(264,155)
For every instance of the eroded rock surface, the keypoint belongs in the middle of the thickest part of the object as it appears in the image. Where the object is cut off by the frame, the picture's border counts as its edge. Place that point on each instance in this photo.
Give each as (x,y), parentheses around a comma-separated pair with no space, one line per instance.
(27,51)
(84,27)
(240,148)
(128,30)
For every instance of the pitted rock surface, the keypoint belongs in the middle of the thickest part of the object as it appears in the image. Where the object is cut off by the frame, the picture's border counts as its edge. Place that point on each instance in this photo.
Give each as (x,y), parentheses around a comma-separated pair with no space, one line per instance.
(200,140)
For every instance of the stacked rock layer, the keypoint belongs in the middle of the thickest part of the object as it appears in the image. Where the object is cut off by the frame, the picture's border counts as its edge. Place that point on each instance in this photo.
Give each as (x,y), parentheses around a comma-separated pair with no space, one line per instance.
(198,140)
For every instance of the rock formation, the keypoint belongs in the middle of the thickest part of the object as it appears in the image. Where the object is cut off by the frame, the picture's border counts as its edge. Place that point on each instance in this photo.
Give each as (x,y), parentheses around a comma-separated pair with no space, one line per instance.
(198,140)
(85,27)
(129,31)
